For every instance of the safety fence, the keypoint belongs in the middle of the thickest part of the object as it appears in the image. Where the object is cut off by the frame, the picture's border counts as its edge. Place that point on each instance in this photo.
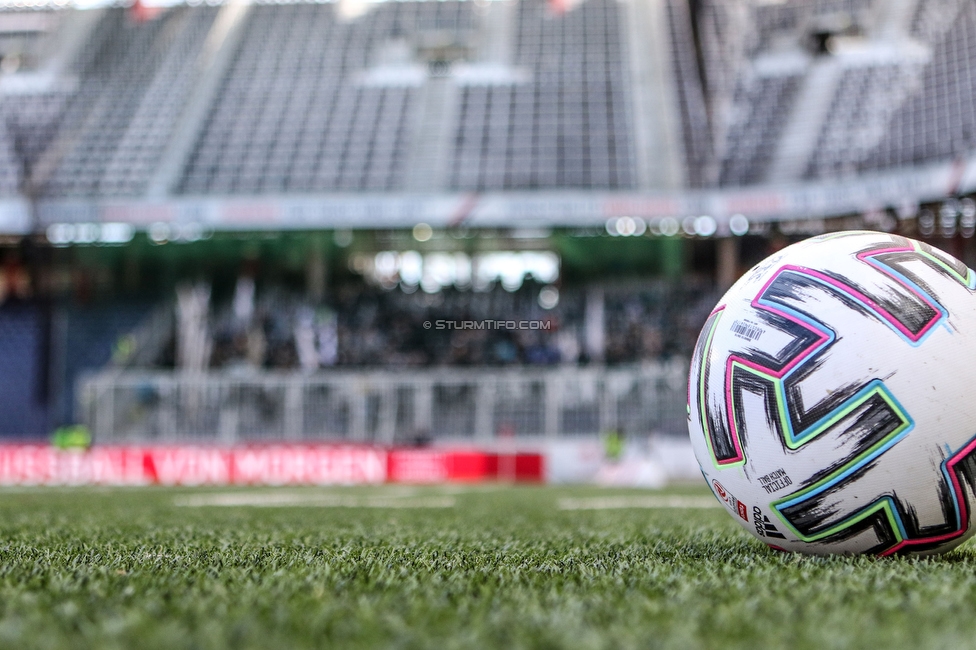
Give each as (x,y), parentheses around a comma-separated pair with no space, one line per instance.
(385,407)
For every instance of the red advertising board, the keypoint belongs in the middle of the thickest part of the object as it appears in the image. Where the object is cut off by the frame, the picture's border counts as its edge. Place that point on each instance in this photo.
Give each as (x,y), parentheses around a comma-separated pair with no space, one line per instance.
(432,465)
(259,465)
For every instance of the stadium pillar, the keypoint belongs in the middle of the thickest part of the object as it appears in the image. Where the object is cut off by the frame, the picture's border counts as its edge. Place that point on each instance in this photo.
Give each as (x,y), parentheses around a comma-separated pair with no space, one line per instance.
(423,409)
(357,411)
(728,262)
(483,411)
(594,334)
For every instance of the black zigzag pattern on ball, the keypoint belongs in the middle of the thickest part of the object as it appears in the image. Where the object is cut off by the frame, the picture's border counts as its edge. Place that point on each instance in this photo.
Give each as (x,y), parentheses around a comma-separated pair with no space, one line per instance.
(902,302)
(816,514)
(871,423)
(743,382)
(718,432)
(801,337)
(965,473)
(904,306)
(899,261)
(790,288)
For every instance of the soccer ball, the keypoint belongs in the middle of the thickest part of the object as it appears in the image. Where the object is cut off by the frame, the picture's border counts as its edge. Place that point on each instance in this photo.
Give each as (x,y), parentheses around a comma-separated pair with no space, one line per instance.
(832,397)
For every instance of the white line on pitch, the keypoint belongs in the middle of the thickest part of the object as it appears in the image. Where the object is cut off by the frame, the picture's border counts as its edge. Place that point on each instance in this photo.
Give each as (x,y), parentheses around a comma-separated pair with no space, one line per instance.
(284,500)
(619,503)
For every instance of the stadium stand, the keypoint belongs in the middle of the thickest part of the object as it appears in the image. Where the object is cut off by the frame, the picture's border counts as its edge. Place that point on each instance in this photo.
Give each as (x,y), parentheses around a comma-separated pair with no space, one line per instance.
(569,125)
(373,327)
(295,112)
(31,123)
(832,89)
(862,105)
(28,119)
(939,121)
(695,122)
(11,171)
(753,134)
(313,101)
(168,116)
(128,96)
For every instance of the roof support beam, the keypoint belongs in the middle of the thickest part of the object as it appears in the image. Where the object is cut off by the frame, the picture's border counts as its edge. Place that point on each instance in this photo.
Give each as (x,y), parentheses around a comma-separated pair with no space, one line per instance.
(657,125)
(215,58)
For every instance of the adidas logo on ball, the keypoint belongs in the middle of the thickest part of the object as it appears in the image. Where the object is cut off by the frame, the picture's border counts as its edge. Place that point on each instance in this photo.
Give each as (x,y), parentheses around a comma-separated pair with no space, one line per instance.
(764,527)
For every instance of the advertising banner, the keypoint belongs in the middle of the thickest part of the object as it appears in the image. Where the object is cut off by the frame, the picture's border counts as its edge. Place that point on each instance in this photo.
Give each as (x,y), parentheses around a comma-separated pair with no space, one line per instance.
(294,464)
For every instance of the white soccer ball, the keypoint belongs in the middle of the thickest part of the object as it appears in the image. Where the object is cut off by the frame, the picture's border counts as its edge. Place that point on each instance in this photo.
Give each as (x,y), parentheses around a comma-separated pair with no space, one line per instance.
(832,397)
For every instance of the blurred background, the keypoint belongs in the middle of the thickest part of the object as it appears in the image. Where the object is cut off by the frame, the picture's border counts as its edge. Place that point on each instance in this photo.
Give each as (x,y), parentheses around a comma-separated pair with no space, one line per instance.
(301,222)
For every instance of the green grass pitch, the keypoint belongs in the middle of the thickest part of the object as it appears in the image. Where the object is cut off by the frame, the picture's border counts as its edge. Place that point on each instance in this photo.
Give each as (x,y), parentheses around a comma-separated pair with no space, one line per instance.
(442,567)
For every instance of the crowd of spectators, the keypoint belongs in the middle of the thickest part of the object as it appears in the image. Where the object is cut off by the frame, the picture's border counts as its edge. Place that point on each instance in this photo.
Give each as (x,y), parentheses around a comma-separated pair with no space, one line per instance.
(362,326)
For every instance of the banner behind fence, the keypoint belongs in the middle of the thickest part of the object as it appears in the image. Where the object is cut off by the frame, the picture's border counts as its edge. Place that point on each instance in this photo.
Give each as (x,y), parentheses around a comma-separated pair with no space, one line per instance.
(259,465)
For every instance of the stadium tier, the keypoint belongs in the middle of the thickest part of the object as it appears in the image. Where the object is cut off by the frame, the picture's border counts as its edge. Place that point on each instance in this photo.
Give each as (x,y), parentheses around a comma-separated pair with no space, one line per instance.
(568,125)
(456,96)
(836,89)
(296,111)
(305,221)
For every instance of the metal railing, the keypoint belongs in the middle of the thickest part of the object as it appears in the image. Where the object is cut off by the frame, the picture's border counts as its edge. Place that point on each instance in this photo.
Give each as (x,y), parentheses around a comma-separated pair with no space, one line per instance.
(384,406)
